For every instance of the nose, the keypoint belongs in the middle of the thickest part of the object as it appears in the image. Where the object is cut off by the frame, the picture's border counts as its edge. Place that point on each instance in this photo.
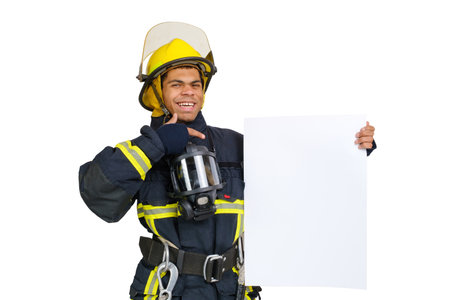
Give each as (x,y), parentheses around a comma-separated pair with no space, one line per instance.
(187,90)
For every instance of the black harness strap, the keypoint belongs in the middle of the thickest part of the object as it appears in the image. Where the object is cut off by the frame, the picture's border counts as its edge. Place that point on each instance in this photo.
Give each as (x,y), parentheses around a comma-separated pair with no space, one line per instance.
(230,164)
(210,140)
(191,263)
(180,259)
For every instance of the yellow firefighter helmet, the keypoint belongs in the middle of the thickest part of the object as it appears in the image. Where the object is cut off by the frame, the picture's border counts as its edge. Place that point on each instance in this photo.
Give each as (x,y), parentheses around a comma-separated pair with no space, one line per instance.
(167,46)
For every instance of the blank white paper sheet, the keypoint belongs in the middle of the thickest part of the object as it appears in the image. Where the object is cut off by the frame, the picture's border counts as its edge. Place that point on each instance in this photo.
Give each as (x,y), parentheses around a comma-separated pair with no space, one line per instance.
(305,202)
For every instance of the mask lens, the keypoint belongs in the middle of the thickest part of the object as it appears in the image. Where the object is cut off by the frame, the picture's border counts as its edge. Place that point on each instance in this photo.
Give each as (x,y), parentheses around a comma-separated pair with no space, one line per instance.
(211,170)
(196,172)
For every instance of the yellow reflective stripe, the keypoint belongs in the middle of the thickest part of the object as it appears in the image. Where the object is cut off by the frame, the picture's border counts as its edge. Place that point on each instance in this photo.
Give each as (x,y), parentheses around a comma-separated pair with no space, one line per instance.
(236,207)
(152,279)
(152,226)
(157,212)
(150,213)
(226,207)
(247,290)
(229,211)
(239,227)
(237,201)
(152,284)
(235,270)
(137,158)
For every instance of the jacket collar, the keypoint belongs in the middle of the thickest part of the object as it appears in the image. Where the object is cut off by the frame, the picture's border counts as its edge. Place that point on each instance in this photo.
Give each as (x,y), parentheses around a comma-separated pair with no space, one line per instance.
(198,124)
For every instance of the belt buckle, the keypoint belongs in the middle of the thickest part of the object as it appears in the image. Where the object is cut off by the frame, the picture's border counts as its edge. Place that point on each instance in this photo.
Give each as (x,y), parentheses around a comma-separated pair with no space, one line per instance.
(213,268)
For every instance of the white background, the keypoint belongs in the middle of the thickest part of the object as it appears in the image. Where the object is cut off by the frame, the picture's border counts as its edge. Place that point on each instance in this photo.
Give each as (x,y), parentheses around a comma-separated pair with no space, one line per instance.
(68,90)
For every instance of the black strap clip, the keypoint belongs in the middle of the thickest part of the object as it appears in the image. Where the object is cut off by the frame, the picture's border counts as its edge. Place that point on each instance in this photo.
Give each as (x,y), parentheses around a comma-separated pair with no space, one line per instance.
(213,267)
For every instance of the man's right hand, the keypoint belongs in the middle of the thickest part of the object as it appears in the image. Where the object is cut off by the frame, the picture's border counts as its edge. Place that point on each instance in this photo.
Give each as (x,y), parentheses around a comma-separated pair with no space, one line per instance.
(191,132)
(175,136)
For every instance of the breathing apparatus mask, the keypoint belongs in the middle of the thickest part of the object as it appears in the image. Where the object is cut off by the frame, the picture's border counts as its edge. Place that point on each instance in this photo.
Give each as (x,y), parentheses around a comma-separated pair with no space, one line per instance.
(195,179)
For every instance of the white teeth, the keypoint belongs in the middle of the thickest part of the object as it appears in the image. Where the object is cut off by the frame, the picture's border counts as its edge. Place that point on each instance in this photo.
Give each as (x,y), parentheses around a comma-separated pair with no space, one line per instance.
(186,104)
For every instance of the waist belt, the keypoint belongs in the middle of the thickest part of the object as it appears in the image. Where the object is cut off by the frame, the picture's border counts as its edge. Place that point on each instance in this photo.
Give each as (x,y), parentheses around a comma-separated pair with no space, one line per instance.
(211,267)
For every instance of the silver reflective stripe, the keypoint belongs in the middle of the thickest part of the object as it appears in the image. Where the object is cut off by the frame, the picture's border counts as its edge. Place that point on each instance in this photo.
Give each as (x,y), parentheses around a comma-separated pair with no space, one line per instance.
(241,227)
(153,282)
(229,206)
(186,178)
(136,156)
(215,177)
(157,211)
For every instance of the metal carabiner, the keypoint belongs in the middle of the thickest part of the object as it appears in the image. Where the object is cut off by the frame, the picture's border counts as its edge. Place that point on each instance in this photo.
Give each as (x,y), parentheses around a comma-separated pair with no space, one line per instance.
(166,266)
(166,256)
(166,293)
(240,248)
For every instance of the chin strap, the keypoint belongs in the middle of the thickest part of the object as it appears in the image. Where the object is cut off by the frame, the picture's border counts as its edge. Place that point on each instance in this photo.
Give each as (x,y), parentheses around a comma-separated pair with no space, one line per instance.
(161,103)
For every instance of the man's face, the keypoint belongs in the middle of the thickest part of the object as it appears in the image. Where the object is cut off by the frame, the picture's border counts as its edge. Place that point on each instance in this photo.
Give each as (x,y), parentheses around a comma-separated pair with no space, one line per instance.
(183,93)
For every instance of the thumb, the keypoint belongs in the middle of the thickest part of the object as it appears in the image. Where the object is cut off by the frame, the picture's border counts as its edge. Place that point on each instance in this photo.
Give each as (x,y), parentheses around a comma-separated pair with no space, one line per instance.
(367,124)
(173,120)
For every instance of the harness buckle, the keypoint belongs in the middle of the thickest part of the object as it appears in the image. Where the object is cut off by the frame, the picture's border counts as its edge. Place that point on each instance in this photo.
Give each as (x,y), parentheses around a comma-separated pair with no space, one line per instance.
(213,268)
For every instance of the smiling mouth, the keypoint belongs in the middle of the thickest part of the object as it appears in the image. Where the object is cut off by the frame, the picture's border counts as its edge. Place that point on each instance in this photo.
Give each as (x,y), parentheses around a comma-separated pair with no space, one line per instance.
(186,104)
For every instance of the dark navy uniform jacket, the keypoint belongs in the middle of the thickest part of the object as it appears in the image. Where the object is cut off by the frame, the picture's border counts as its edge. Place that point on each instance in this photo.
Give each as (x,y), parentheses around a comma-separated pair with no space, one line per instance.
(137,171)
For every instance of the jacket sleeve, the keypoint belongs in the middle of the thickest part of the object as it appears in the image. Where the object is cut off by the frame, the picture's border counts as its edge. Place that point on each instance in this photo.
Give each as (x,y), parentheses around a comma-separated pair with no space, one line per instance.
(109,183)
(374,146)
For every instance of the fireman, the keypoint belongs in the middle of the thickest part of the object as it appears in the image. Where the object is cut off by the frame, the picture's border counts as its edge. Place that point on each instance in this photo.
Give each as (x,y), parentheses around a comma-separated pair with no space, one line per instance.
(186,177)
(195,252)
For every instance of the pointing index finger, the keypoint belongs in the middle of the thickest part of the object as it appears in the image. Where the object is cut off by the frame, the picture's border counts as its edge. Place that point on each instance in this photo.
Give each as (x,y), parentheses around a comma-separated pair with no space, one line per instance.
(193,132)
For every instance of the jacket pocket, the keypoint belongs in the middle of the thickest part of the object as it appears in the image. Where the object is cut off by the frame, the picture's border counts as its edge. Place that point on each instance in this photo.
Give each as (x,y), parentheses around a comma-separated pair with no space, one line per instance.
(234,184)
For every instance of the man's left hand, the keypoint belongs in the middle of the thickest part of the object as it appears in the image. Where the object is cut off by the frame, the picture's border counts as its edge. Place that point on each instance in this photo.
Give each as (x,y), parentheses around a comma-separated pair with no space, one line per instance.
(365,137)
